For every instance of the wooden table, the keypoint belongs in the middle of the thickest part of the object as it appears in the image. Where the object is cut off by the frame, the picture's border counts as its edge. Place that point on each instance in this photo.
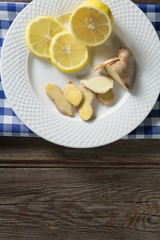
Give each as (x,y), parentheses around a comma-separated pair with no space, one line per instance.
(56,193)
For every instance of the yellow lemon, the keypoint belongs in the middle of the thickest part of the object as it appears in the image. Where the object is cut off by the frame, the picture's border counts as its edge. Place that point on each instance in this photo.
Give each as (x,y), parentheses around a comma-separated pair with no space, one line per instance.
(39,34)
(67,53)
(91,23)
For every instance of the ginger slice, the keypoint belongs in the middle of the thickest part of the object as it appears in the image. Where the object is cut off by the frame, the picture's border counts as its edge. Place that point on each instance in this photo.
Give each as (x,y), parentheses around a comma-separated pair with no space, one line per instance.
(98,84)
(56,95)
(121,68)
(73,94)
(85,108)
(106,98)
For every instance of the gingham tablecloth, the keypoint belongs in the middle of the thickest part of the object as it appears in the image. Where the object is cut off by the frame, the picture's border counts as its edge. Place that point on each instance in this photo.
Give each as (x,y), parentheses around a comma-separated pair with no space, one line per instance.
(10,125)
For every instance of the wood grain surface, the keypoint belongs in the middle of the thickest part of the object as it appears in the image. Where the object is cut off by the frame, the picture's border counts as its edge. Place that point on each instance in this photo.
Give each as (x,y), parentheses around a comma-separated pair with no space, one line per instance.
(79,203)
(57,193)
(36,152)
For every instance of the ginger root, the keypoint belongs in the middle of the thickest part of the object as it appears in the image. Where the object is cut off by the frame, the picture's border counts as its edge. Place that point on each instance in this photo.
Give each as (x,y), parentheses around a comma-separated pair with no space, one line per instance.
(85,108)
(120,68)
(56,95)
(73,94)
(106,98)
(102,65)
(98,84)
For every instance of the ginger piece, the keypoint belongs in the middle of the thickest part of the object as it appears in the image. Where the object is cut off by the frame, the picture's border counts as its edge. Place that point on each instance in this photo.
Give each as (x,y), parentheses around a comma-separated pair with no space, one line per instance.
(102,65)
(73,94)
(98,84)
(106,98)
(85,108)
(56,95)
(121,68)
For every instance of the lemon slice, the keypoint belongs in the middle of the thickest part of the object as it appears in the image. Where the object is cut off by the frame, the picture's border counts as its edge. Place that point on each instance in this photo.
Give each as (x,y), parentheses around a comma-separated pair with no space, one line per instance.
(67,53)
(91,22)
(39,34)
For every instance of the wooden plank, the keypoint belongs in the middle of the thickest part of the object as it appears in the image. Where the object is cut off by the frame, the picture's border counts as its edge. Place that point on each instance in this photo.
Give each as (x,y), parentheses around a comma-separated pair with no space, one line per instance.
(36,152)
(98,185)
(79,221)
(79,204)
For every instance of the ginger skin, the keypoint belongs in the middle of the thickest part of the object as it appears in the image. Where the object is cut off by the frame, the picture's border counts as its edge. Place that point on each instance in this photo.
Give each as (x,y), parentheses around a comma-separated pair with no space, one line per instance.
(106,98)
(120,68)
(85,108)
(56,95)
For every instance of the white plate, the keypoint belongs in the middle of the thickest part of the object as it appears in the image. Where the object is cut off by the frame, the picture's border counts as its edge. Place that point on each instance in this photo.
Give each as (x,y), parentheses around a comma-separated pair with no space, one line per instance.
(25,76)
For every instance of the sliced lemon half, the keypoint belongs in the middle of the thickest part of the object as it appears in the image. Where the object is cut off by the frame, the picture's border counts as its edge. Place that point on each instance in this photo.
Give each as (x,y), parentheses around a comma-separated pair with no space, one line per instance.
(39,34)
(91,23)
(67,53)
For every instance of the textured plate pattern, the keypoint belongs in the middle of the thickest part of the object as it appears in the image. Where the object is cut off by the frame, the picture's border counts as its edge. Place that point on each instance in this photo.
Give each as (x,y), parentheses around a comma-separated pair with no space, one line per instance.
(145,46)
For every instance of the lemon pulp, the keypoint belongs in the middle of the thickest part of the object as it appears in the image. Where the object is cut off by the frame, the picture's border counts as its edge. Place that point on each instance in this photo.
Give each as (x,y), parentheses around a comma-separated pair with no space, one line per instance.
(68,54)
(39,34)
(91,23)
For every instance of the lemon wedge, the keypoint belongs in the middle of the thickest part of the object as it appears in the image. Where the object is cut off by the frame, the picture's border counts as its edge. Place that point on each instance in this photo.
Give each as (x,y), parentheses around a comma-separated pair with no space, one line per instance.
(92,22)
(67,53)
(39,34)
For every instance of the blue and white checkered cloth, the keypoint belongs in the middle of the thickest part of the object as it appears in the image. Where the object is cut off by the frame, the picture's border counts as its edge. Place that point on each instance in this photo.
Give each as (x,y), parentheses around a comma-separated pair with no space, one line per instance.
(10,125)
